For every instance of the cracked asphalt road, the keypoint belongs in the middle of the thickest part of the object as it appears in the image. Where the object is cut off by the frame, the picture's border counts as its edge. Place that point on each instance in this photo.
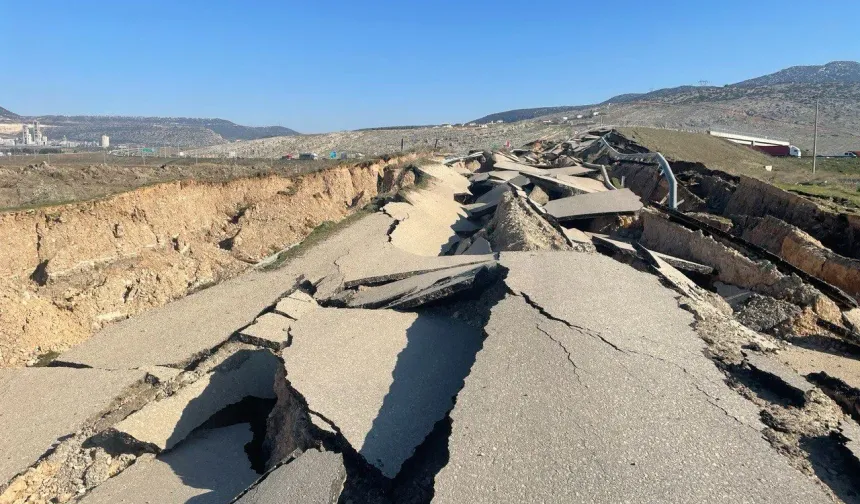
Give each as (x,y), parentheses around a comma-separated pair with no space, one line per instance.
(592,387)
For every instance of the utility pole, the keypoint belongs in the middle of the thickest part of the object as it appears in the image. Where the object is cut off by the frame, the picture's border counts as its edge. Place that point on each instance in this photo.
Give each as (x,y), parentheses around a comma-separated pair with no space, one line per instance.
(815,141)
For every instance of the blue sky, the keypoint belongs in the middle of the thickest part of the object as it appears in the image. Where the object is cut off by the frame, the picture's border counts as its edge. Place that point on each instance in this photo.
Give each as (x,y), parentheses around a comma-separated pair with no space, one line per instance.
(340,64)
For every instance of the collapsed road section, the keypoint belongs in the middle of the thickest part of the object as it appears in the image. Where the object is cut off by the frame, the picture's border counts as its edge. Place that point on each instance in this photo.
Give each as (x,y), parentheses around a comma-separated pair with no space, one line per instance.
(516,327)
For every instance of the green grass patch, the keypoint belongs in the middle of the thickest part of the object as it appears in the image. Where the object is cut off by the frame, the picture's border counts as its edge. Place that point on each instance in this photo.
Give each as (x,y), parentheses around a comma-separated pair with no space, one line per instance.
(46,358)
(839,194)
(319,234)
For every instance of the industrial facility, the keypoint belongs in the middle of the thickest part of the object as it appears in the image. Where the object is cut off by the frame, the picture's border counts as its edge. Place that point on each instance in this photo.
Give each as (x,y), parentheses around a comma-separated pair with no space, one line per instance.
(33,135)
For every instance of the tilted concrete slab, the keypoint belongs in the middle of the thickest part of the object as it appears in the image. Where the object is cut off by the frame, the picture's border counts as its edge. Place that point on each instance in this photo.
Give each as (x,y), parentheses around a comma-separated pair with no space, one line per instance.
(269,330)
(601,366)
(428,221)
(387,262)
(573,171)
(384,378)
(503,175)
(627,247)
(296,305)
(179,331)
(682,283)
(447,287)
(38,406)
(494,195)
(575,235)
(479,177)
(585,184)
(851,431)
(779,371)
(520,181)
(568,184)
(479,246)
(487,202)
(165,423)
(210,467)
(843,366)
(592,205)
(314,477)
(380,296)
(518,167)
(447,176)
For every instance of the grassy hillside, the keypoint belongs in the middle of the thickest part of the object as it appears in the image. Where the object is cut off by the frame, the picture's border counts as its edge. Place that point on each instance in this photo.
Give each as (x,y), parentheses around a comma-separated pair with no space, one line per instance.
(836,181)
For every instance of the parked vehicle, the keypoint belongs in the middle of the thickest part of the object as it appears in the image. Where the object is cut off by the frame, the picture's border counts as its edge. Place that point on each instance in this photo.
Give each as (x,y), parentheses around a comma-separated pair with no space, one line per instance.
(778,150)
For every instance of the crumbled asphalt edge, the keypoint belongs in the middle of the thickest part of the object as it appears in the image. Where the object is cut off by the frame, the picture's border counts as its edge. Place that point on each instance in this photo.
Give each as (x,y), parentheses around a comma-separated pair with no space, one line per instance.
(76,455)
(69,461)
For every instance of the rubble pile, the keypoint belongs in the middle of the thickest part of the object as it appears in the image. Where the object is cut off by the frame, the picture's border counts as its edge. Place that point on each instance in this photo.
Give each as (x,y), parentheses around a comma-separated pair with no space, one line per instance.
(481,337)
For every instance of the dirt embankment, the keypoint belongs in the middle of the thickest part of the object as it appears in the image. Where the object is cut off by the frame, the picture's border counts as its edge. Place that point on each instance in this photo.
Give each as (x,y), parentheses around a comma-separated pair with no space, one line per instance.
(839,232)
(805,252)
(67,270)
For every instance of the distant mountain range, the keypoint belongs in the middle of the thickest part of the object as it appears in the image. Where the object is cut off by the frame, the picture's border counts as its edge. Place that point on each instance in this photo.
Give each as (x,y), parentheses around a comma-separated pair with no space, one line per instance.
(779,105)
(150,131)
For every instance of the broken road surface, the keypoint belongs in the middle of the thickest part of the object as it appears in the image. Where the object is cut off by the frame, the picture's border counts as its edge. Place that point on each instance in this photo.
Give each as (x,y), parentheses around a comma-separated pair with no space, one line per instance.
(383,378)
(609,399)
(465,343)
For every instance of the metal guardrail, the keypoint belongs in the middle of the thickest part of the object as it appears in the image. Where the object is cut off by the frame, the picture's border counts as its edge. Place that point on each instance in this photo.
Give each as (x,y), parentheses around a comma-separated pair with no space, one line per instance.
(665,169)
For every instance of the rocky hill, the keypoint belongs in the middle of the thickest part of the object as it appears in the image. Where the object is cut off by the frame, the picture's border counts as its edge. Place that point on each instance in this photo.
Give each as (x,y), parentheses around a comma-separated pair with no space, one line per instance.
(838,72)
(6,115)
(780,105)
(152,131)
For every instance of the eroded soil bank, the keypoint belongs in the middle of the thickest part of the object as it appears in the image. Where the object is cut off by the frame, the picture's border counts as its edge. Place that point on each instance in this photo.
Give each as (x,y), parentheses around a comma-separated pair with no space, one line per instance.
(67,270)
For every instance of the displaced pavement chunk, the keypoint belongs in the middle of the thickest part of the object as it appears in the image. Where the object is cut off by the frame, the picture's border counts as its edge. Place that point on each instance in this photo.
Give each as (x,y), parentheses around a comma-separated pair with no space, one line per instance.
(592,205)
(296,304)
(165,423)
(626,247)
(778,371)
(210,467)
(390,293)
(38,406)
(387,263)
(314,477)
(384,378)
(270,330)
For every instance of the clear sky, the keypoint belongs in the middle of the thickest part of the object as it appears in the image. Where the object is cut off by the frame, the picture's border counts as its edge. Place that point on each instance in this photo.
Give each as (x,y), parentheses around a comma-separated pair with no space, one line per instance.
(342,64)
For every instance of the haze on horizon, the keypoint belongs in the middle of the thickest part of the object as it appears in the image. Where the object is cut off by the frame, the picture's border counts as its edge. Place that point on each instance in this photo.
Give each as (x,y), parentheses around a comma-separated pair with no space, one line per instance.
(342,65)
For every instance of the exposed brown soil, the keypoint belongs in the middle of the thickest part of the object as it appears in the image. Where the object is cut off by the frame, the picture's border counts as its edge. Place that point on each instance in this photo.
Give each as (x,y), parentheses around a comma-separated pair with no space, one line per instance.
(34,181)
(67,270)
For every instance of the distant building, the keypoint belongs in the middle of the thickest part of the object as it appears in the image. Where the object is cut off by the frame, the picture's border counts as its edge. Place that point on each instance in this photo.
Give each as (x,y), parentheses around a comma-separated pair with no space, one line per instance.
(105,143)
(33,136)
